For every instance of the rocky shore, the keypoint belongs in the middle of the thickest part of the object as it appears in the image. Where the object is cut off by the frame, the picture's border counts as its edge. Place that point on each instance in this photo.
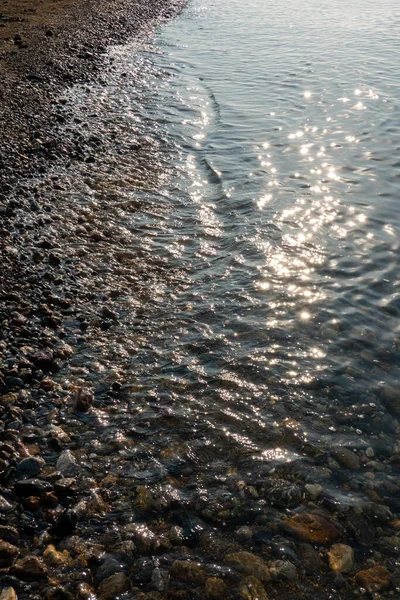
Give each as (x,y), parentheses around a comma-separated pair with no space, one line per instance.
(84,513)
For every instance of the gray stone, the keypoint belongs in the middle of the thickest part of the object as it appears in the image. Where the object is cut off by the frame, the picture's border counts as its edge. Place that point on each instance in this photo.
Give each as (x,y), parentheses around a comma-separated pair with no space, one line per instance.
(67,464)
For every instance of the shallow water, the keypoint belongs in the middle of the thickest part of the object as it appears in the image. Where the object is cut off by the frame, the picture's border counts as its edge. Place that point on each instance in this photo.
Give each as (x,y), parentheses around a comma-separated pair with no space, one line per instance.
(246,196)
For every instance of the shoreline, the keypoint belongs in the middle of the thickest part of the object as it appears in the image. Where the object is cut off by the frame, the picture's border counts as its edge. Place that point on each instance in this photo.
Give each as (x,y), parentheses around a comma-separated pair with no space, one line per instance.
(49,496)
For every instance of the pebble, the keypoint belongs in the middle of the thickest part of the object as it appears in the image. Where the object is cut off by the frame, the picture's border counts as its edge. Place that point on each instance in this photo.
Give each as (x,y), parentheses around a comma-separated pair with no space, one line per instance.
(54,558)
(374,580)
(32,487)
(311,559)
(188,571)
(5,506)
(251,588)
(8,554)
(30,466)
(249,564)
(8,593)
(215,588)
(310,527)
(341,558)
(83,399)
(283,569)
(314,490)
(67,464)
(29,568)
(347,458)
(113,586)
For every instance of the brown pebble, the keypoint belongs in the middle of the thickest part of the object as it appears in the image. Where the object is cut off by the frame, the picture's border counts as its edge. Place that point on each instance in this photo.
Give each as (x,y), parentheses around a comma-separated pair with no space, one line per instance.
(310,527)
(374,580)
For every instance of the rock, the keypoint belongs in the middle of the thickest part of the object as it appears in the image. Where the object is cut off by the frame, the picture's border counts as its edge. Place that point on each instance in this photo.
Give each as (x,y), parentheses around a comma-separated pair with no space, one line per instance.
(251,588)
(5,506)
(66,464)
(32,503)
(32,487)
(391,399)
(9,534)
(8,593)
(248,564)
(8,399)
(215,588)
(361,529)
(65,524)
(113,586)
(346,457)
(29,568)
(83,399)
(188,571)
(8,553)
(14,382)
(310,527)
(374,580)
(53,558)
(311,559)
(59,593)
(85,592)
(389,545)
(314,490)
(283,569)
(30,466)
(111,564)
(394,580)
(341,558)
(283,493)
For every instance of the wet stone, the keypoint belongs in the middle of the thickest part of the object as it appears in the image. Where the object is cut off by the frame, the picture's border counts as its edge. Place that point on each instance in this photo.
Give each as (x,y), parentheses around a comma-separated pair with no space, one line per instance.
(341,558)
(363,531)
(30,466)
(67,464)
(5,506)
(188,571)
(310,527)
(9,534)
(314,490)
(215,588)
(374,580)
(8,593)
(311,559)
(113,586)
(283,569)
(248,564)
(8,554)
(29,568)
(54,558)
(251,588)
(32,487)
(347,458)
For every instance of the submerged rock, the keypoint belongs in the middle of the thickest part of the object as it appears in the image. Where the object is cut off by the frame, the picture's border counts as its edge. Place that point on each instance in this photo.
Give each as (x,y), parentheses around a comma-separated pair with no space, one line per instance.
(113,586)
(215,588)
(374,580)
(310,527)
(249,564)
(186,570)
(29,568)
(341,558)
(251,588)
